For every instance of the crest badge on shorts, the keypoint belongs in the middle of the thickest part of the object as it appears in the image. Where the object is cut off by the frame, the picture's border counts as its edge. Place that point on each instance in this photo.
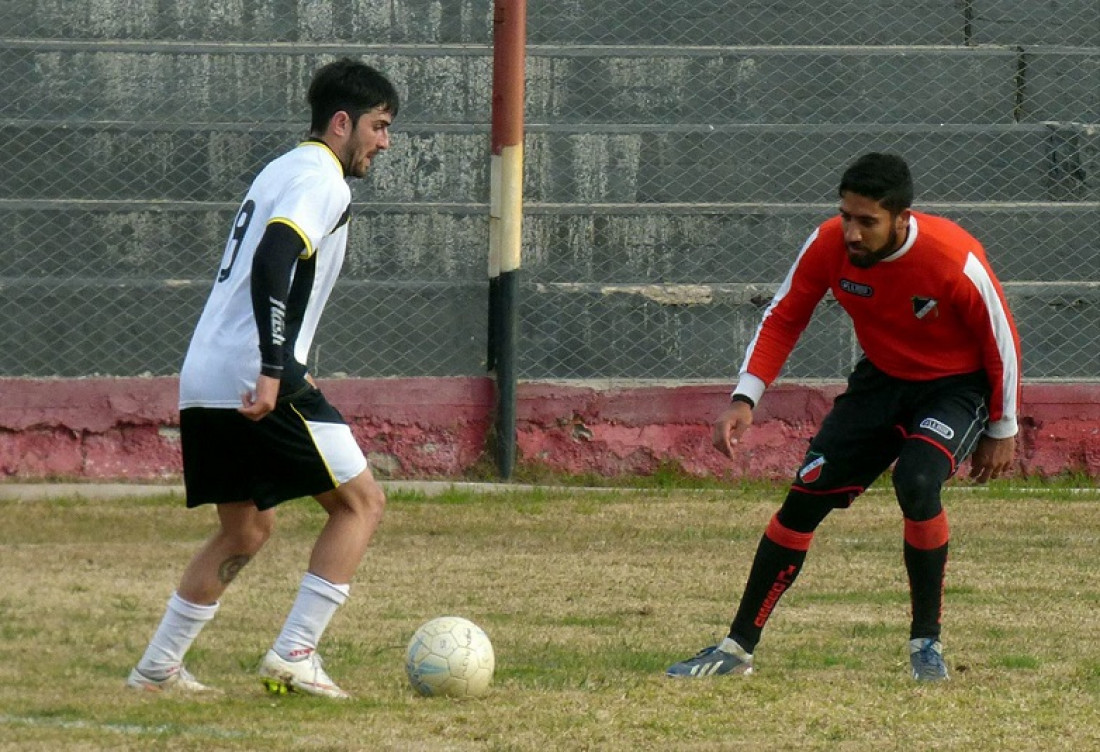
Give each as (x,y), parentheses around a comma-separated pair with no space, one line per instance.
(811,471)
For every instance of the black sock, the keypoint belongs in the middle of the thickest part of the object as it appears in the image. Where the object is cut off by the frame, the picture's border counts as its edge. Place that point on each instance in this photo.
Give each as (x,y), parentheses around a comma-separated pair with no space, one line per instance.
(926,569)
(774,570)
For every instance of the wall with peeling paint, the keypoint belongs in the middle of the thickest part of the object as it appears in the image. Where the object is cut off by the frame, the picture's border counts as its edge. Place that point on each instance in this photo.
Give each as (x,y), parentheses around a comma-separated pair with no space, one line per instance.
(100,429)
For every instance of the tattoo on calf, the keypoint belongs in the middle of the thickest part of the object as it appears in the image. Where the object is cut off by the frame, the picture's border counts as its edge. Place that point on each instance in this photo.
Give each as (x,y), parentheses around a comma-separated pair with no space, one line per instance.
(231,567)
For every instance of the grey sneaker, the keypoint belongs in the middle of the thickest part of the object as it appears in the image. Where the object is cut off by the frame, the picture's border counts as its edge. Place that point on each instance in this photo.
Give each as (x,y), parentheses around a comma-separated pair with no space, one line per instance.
(180,680)
(926,658)
(725,658)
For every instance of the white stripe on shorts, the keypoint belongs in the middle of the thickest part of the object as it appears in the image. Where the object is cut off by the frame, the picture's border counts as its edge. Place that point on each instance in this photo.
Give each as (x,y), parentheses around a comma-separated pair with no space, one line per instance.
(338,449)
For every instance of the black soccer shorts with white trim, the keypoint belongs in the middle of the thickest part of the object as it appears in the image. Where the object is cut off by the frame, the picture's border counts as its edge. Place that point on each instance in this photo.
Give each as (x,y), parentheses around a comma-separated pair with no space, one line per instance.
(302,448)
(871,422)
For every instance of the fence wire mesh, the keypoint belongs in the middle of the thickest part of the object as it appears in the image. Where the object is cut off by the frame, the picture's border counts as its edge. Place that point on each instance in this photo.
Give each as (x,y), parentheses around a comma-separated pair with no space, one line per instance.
(677,155)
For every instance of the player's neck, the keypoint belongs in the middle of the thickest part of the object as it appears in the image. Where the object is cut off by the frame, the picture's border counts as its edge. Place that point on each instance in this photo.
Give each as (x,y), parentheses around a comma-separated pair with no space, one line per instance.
(313,138)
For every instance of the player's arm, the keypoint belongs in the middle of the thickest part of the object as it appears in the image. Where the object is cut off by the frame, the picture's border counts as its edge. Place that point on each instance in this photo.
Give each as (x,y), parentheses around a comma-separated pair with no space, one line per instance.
(732,423)
(992,457)
(782,324)
(272,268)
(787,315)
(994,328)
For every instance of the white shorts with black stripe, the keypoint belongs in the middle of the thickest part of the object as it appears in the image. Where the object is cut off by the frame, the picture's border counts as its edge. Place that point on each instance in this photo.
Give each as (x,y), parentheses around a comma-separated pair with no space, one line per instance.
(302,448)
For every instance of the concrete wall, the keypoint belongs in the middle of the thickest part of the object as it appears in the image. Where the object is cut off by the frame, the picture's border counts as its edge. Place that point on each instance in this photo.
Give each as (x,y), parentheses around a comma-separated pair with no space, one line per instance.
(705,22)
(100,429)
(669,144)
(677,155)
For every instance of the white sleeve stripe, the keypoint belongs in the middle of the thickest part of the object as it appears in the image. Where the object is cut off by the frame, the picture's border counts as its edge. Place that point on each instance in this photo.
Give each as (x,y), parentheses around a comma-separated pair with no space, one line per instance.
(781,293)
(1002,332)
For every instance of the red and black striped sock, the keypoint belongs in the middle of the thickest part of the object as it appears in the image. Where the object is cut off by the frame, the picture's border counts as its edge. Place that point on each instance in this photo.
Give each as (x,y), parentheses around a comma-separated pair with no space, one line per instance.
(926,562)
(778,560)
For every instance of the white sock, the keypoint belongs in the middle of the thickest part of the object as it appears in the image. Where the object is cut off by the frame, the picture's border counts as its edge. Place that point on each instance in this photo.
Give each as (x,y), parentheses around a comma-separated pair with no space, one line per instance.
(314,607)
(731,646)
(179,627)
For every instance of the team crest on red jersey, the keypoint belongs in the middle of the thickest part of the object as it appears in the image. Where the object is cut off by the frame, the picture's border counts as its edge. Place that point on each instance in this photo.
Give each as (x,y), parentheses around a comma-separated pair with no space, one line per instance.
(923,306)
(811,471)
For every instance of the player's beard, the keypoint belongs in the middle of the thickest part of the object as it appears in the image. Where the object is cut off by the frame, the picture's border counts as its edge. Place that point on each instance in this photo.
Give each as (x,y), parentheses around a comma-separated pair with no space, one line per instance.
(866,259)
(354,162)
(355,166)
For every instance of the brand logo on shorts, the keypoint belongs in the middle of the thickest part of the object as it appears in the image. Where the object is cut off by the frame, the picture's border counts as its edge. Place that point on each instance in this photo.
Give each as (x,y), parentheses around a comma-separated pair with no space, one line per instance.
(811,471)
(936,426)
(863,291)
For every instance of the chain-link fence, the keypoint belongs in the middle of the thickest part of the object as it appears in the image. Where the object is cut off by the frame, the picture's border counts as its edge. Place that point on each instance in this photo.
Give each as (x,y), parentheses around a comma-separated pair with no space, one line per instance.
(677,155)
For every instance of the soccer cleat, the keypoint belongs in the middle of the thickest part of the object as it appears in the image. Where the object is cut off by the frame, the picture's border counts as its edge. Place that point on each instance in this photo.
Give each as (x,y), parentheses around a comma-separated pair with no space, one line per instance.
(307,675)
(725,658)
(180,680)
(926,658)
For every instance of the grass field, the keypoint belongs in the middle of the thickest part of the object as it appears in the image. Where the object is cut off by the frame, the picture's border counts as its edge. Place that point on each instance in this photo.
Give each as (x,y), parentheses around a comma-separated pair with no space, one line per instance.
(587,596)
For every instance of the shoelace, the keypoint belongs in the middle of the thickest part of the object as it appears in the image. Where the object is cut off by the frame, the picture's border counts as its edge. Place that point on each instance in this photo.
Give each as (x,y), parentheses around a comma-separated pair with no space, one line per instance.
(929,658)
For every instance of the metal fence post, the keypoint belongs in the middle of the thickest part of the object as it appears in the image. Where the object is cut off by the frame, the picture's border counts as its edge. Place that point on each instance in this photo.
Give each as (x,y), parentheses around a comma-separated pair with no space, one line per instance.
(506,217)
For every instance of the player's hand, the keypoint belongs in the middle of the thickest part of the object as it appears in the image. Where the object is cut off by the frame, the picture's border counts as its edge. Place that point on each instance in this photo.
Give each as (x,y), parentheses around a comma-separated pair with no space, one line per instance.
(730,425)
(992,457)
(256,406)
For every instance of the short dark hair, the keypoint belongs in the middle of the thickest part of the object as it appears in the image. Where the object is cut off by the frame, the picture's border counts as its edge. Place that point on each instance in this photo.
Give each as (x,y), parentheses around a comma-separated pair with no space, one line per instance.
(350,86)
(883,177)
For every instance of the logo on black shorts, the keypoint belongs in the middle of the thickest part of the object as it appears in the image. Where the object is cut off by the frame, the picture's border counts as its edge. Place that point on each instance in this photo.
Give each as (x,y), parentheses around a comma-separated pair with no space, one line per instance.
(811,471)
(939,427)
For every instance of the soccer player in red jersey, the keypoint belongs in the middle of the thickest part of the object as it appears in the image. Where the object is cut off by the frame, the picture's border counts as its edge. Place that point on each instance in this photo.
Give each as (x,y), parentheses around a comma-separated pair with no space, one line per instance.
(939,381)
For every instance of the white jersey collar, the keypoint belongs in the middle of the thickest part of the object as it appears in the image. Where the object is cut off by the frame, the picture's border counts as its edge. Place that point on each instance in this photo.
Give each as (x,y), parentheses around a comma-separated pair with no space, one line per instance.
(908,241)
(327,148)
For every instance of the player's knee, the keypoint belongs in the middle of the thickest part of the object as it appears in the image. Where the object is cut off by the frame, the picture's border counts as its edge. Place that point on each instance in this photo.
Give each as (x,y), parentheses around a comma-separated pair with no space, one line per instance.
(364,497)
(918,491)
(375,501)
(803,512)
(248,539)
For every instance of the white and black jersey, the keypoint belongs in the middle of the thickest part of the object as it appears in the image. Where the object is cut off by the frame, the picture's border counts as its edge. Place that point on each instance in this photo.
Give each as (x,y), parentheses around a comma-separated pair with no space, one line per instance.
(303,190)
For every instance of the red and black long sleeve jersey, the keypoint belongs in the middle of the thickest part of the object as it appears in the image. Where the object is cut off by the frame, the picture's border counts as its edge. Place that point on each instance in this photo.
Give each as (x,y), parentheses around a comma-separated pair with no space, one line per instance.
(934,308)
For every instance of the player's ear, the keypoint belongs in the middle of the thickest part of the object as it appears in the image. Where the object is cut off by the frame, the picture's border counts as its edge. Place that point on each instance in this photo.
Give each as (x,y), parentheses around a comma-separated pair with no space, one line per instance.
(902,220)
(341,123)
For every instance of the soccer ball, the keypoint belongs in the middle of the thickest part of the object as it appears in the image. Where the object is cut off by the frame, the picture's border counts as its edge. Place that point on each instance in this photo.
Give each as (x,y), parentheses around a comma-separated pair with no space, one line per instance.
(450,656)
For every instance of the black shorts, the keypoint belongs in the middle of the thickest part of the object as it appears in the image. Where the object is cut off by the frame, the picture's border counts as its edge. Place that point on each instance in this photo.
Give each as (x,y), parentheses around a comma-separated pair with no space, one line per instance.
(870,422)
(302,448)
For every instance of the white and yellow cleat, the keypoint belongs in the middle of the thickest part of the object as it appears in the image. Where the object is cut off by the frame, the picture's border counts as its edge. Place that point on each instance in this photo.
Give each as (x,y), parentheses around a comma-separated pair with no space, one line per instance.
(179,680)
(307,675)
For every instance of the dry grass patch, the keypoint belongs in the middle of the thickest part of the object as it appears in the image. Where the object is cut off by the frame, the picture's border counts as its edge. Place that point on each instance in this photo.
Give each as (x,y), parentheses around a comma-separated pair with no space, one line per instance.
(587,597)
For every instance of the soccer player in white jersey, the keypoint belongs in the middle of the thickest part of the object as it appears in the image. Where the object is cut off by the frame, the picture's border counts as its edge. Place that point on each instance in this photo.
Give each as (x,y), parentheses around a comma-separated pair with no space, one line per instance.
(255,429)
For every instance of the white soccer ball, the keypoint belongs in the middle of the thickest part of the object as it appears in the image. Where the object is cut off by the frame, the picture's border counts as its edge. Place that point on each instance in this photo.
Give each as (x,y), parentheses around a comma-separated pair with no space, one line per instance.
(450,656)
